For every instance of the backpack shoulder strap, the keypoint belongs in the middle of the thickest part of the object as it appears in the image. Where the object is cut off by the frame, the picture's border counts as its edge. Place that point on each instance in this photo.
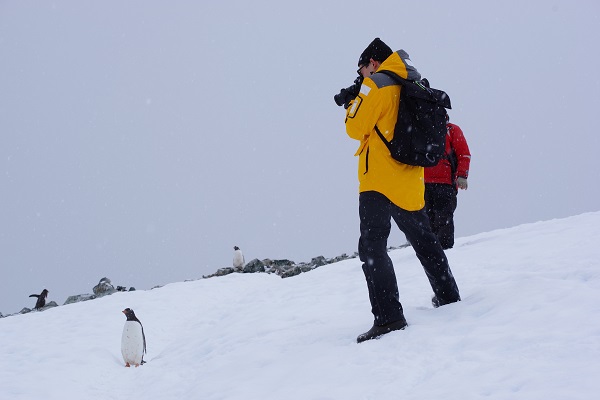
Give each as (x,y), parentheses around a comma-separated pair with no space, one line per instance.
(420,89)
(395,77)
(387,78)
(383,139)
(383,80)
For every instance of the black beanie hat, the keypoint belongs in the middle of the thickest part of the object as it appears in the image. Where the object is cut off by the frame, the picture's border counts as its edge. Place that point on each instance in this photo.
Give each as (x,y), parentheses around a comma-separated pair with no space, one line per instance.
(377,50)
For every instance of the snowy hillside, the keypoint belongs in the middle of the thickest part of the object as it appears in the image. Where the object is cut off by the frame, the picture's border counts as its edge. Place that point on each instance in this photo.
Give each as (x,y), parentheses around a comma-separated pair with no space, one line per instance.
(527,328)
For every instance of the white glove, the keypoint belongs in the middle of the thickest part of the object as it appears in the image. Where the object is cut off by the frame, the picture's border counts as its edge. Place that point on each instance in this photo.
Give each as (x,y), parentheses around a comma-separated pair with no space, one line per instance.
(462,183)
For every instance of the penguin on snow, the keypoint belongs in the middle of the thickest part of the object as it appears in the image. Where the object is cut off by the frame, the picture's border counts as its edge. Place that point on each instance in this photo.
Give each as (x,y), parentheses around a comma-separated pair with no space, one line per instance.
(238,258)
(133,341)
(41,299)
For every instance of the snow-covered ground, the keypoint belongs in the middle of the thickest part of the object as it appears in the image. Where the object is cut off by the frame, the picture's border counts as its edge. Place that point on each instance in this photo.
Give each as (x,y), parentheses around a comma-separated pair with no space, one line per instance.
(528,328)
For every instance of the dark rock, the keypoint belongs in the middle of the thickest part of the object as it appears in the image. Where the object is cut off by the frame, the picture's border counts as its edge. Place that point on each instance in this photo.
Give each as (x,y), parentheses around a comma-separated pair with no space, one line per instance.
(402,246)
(276,270)
(51,304)
(318,261)
(104,287)
(224,271)
(306,268)
(268,262)
(25,310)
(283,263)
(79,297)
(254,266)
(292,272)
(342,258)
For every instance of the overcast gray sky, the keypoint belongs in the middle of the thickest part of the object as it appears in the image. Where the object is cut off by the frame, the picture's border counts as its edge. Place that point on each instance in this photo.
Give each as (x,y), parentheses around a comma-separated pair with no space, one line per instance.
(142,140)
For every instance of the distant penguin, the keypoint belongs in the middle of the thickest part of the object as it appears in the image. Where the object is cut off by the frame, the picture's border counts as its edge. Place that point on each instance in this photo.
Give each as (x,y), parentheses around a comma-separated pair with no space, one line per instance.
(41,299)
(238,258)
(133,341)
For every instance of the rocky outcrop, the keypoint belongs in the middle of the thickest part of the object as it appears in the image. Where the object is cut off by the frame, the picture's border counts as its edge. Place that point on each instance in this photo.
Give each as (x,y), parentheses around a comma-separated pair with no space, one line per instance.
(48,305)
(79,297)
(254,266)
(104,287)
(283,268)
(286,268)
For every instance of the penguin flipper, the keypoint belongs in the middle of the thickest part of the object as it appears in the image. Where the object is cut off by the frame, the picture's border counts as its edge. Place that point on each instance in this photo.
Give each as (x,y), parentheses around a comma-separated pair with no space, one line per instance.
(144,337)
(34,295)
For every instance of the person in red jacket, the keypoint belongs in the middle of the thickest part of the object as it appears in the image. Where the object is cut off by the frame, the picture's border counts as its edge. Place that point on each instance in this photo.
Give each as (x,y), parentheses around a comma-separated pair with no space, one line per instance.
(442,183)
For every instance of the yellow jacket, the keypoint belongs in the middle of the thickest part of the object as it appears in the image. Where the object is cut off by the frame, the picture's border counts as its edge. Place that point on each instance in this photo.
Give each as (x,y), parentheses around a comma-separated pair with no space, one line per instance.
(377,104)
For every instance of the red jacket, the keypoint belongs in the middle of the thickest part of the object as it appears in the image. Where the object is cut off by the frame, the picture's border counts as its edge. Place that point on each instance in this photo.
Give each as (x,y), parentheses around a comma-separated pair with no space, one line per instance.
(442,173)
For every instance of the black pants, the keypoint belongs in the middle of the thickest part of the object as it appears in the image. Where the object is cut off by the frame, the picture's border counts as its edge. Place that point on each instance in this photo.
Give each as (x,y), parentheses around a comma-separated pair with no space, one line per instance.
(376,212)
(440,204)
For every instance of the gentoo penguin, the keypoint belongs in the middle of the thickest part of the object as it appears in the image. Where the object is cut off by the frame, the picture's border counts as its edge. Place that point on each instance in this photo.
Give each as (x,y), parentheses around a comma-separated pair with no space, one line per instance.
(41,299)
(133,341)
(238,258)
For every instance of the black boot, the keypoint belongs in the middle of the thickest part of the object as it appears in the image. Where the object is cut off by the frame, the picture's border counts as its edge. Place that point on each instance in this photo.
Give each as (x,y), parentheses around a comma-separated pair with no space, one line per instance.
(376,331)
(436,302)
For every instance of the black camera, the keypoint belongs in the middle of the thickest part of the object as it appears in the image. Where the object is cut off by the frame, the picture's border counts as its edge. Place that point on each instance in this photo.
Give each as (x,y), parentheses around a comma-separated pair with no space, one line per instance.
(345,96)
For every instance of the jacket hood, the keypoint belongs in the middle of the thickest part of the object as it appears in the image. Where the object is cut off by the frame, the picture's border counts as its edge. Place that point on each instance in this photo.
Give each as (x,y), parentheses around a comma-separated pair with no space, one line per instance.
(400,64)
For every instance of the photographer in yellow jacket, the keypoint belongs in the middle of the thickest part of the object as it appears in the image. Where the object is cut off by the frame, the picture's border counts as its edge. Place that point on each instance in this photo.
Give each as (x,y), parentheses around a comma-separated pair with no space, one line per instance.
(389,189)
